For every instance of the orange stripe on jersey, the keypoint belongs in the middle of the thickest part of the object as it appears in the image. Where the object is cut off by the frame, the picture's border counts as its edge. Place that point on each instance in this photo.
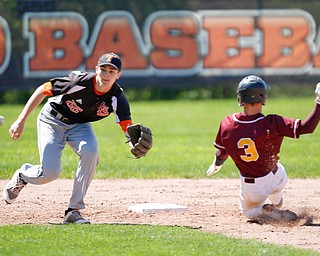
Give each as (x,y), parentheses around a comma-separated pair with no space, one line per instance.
(124,124)
(47,89)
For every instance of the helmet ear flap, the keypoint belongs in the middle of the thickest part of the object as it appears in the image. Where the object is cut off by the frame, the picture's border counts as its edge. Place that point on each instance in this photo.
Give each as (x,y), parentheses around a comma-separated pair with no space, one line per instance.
(265,100)
(239,100)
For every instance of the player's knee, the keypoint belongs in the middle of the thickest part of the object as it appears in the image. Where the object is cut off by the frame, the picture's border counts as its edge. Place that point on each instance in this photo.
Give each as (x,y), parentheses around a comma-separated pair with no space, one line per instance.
(49,177)
(50,172)
(89,150)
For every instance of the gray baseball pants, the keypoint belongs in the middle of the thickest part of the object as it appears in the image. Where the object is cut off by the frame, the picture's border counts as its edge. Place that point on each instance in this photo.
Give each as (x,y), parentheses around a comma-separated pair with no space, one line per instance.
(53,135)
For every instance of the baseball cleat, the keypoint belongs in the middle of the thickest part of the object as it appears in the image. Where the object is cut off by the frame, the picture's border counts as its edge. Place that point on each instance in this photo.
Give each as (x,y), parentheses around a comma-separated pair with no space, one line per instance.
(13,188)
(272,212)
(74,217)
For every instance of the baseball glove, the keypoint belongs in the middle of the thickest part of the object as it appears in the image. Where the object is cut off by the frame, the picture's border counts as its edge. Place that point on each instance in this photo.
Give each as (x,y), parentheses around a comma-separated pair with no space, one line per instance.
(140,139)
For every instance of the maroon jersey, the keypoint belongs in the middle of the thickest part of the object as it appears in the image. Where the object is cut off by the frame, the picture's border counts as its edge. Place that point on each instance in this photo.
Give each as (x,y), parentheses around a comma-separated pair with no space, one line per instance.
(253,142)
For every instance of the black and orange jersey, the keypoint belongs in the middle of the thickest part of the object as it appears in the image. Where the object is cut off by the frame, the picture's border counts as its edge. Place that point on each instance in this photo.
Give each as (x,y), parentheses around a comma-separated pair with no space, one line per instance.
(75,97)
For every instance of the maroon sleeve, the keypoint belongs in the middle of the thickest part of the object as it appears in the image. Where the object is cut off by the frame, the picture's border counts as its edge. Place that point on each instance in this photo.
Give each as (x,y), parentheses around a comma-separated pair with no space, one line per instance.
(311,122)
(221,153)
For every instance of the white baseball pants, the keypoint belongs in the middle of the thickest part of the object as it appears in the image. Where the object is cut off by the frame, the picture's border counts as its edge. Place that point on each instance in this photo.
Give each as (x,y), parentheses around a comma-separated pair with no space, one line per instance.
(254,195)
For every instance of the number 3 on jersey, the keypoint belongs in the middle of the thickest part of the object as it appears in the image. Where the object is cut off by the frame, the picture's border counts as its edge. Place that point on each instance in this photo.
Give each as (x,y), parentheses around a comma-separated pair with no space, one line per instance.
(250,150)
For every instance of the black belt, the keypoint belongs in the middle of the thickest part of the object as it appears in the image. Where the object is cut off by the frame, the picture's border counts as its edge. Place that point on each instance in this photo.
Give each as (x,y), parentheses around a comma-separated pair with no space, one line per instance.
(61,117)
(252,180)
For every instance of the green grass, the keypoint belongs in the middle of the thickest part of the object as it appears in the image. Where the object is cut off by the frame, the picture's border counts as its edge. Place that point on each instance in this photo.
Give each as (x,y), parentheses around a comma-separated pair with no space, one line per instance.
(128,240)
(183,135)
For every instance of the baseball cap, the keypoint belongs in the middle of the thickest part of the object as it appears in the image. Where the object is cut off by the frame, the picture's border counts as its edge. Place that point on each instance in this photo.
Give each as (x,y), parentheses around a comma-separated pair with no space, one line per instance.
(110,59)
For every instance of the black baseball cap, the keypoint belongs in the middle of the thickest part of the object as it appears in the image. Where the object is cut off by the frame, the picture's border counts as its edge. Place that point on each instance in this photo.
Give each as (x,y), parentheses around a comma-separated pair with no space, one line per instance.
(110,59)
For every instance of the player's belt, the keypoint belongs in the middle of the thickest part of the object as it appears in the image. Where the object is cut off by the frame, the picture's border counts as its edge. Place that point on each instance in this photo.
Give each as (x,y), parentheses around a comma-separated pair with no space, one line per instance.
(252,180)
(61,117)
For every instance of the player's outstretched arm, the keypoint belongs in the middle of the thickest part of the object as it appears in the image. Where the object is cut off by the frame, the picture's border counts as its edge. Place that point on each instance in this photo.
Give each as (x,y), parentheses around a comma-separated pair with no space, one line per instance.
(311,122)
(216,165)
(17,127)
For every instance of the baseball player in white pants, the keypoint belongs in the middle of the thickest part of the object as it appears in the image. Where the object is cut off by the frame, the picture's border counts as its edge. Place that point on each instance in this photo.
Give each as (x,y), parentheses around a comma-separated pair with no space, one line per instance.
(253,141)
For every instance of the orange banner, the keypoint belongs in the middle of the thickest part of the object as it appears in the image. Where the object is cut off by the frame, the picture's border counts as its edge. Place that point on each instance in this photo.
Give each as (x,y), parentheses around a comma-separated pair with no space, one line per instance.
(172,43)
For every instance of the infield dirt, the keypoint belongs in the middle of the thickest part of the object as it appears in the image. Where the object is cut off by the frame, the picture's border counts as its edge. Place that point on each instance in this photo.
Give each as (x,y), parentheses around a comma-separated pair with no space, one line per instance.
(212,207)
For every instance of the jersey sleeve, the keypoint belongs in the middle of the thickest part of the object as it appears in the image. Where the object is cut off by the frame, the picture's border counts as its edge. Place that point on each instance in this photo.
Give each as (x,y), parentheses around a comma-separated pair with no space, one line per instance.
(61,85)
(291,127)
(221,153)
(125,124)
(218,142)
(47,88)
(122,112)
(283,126)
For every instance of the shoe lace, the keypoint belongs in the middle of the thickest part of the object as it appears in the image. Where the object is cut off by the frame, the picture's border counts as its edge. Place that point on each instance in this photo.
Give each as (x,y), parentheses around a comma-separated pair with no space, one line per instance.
(19,186)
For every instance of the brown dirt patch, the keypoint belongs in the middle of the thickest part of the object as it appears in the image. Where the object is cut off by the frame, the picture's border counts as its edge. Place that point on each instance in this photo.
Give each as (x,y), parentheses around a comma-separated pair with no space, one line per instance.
(212,207)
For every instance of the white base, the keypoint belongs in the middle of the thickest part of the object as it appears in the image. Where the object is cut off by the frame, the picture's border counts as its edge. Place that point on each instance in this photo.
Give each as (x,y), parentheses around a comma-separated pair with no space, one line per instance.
(156,207)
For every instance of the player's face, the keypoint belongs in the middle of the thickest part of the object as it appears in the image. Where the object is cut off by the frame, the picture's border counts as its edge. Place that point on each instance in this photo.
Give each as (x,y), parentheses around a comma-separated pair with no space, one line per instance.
(107,75)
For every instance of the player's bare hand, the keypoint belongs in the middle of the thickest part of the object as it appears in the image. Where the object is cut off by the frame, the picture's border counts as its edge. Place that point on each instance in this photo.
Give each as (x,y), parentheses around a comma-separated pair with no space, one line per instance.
(16,130)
